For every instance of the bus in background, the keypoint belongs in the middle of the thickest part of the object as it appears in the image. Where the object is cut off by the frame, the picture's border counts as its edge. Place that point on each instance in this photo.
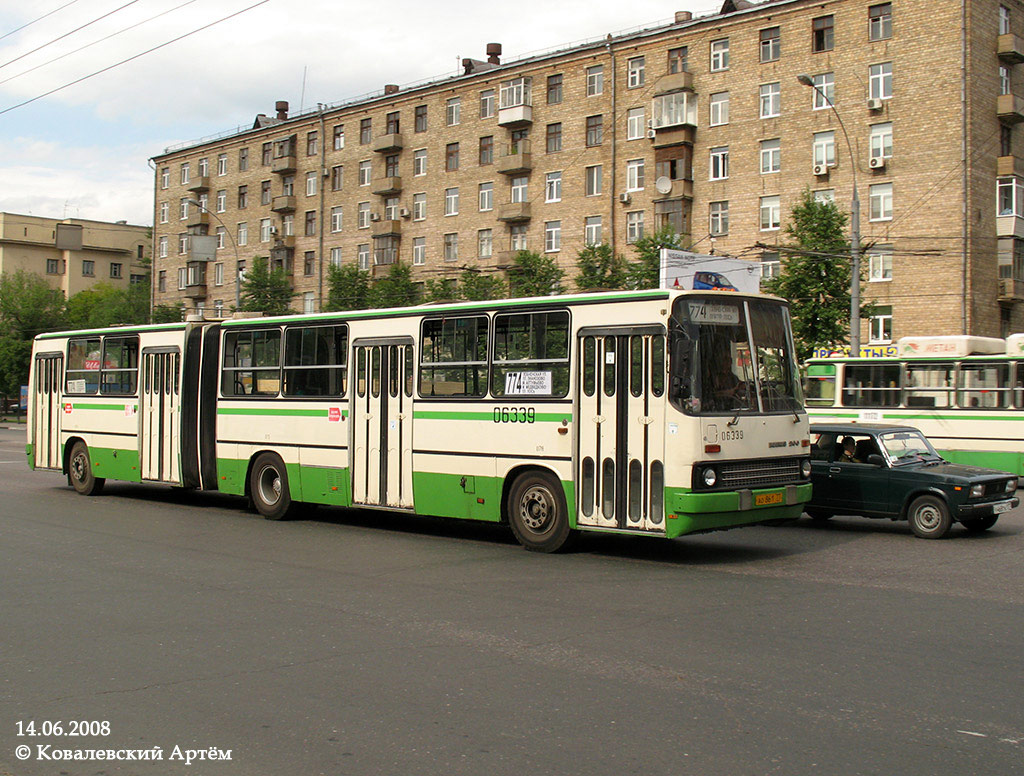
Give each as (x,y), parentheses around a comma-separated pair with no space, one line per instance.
(965,393)
(647,412)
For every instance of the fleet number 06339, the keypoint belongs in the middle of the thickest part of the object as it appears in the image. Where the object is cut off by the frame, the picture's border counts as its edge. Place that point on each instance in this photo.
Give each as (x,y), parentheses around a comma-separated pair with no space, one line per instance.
(515,415)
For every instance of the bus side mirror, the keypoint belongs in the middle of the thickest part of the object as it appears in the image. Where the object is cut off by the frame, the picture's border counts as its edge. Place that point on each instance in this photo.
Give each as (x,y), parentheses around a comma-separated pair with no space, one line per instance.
(876,460)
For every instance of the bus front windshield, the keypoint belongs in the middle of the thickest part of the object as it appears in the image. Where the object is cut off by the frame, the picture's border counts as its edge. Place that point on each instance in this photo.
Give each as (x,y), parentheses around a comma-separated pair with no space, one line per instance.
(733,356)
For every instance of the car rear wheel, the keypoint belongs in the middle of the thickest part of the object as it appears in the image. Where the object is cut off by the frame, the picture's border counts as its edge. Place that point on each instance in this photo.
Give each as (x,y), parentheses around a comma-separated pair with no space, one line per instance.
(976,525)
(929,517)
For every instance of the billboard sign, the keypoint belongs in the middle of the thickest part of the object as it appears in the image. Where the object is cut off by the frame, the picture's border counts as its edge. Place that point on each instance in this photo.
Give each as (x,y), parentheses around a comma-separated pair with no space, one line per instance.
(701,272)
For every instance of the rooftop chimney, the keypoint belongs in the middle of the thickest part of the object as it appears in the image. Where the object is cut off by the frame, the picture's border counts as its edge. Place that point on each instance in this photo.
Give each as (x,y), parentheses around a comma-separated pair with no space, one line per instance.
(281,106)
(683,16)
(494,53)
(390,88)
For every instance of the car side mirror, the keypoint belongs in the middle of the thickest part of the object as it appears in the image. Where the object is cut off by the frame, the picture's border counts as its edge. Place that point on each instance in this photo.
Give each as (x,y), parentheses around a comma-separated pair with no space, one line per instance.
(876,460)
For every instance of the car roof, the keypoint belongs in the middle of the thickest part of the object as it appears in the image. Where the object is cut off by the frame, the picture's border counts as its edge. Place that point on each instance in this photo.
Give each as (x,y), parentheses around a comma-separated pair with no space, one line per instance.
(859,428)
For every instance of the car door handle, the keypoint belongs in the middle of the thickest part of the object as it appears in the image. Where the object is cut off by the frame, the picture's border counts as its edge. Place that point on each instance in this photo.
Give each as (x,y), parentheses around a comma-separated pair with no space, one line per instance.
(834,470)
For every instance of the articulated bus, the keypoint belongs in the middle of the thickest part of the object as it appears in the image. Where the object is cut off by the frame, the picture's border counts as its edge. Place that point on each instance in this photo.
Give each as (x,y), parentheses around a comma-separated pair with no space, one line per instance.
(965,393)
(646,412)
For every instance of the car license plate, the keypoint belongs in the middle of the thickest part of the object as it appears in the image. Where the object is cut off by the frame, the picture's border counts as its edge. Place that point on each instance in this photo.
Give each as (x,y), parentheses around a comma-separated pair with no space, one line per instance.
(764,499)
(1001,506)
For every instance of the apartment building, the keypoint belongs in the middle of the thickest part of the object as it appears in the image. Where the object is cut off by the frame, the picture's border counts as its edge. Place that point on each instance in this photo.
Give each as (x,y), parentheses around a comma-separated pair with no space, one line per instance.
(712,125)
(74,254)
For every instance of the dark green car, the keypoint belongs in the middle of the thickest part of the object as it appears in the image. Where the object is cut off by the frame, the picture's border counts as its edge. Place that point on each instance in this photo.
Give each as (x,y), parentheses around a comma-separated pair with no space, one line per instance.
(878,470)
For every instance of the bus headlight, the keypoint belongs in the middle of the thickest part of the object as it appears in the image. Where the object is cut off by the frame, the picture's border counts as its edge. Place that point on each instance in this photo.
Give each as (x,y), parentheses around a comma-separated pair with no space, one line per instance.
(977,491)
(710,477)
(805,468)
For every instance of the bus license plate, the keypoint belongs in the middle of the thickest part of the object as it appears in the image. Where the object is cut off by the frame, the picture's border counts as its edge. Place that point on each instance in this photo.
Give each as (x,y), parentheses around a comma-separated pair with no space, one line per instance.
(1002,506)
(764,499)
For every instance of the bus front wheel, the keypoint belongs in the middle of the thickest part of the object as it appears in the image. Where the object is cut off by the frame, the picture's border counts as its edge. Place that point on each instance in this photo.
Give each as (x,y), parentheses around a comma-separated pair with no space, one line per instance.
(80,471)
(537,512)
(268,485)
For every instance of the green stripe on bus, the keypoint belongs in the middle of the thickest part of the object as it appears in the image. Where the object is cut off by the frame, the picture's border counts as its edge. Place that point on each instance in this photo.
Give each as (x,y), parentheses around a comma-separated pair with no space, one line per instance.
(307,413)
(540,417)
(115,407)
(892,415)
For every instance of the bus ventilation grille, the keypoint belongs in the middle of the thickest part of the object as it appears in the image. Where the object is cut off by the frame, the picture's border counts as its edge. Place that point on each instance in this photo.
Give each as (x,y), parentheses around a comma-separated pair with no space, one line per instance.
(759,474)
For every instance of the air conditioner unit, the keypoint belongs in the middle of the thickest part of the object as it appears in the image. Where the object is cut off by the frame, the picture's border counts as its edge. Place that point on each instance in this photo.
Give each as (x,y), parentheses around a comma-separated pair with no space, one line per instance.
(625,198)
(876,162)
(874,104)
(404,212)
(375,216)
(821,169)
(651,134)
(273,230)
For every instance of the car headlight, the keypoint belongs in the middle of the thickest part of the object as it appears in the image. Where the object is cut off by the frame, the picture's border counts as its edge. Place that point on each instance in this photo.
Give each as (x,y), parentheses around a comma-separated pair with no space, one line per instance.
(1011,485)
(805,468)
(977,491)
(710,477)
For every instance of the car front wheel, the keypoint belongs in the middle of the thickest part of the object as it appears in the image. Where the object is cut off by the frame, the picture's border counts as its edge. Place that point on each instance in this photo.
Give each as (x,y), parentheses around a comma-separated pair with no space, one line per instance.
(929,517)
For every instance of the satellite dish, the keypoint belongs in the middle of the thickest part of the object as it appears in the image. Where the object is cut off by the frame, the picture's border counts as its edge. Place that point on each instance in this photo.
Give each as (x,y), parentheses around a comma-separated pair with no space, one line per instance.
(663,184)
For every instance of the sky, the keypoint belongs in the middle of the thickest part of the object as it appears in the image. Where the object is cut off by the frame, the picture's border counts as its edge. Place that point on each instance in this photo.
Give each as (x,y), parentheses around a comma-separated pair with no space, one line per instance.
(83,151)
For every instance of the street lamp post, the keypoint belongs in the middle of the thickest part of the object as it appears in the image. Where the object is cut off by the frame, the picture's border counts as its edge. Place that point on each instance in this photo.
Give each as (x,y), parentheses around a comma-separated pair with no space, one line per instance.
(238,262)
(806,80)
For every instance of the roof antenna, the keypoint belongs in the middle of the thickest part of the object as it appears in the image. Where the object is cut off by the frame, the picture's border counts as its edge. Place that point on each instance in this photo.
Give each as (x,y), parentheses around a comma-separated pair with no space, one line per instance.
(302,94)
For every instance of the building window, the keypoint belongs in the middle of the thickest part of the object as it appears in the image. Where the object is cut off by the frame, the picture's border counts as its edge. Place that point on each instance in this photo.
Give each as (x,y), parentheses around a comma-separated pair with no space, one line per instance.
(309,263)
(451,157)
(487,103)
(184,173)
(552,236)
(243,159)
(222,200)
(218,274)
(592,230)
(719,109)
(1004,20)
(243,197)
(392,123)
(487,150)
(486,196)
(880,263)
(288,224)
(593,180)
(243,234)
(718,218)
(161,247)
(419,121)
(365,131)
(264,192)
(363,256)
(165,178)
(771,213)
(824,93)
(266,154)
(308,302)
(635,67)
(1004,79)
(451,201)
(161,281)
(312,143)
(553,138)
(771,100)
(182,244)
(365,172)
(719,55)
(881,202)
(771,156)
(880,79)
(453,111)
(634,175)
(553,187)
(385,249)
(514,93)
(391,208)
(204,167)
(222,164)
(824,148)
(554,89)
(88,268)
(668,214)
(880,21)
(517,237)
(880,140)
(634,226)
(595,130)
(677,59)
(823,34)
(1005,140)
(115,269)
(311,183)
(339,137)
(771,266)
(635,125)
(484,243)
(182,278)
(337,177)
(718,168)
(419,206)
(519,189)
(451,246)
(595,80)
(335,257)
(419,162)
(391,166)
(221,236)
(336,220)
(881,326)
(419,251)
(363,215)
(288,185)
(165,211)
(771,44)
(183,208)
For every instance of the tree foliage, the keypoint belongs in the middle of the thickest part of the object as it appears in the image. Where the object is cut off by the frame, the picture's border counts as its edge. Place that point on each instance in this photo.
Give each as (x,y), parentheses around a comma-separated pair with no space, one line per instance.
(396,289)
(476,286)
(105,305)
(533,274)
(815,275)
(645,272)
(266,290)
(348,288)
(600,268)
(28,306)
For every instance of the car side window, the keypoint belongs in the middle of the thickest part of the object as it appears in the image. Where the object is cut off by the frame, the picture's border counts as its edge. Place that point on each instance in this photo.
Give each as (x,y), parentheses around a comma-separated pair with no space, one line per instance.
(823,446)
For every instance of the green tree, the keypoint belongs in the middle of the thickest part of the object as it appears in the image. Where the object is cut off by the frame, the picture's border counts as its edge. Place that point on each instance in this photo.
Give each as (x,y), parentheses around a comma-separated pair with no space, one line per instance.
(532,274)
(168,313)
(106,305)
(600,268)
(441,290)
(815,275)
(475,286)
(15,357)
(645,272)
(348,288)
(28,306)
(397,289)
(266,290)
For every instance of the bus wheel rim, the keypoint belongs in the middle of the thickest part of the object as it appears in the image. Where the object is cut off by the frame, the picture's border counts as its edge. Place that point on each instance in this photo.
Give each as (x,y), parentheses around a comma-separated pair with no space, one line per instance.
(270,485)
(78,467)
(536,508)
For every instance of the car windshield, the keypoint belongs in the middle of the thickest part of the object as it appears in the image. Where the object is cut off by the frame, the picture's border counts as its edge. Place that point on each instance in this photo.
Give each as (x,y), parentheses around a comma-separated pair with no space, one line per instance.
(907,446)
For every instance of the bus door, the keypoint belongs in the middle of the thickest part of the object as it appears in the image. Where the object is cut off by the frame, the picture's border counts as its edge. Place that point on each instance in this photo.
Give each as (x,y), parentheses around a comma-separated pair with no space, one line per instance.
(46,410)
(160,415)
(621,410)
(382,422)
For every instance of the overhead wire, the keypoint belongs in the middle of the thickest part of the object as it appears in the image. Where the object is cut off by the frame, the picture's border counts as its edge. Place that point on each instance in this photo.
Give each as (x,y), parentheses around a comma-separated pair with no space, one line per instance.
(37,19)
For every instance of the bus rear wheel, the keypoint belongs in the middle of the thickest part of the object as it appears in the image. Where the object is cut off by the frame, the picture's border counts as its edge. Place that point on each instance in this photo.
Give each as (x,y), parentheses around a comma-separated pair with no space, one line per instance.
(268,485)
(80,471)
(537,513)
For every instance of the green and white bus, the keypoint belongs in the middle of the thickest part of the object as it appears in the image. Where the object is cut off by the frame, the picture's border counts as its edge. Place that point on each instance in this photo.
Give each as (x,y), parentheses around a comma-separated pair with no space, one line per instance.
(965,393)
(646,412)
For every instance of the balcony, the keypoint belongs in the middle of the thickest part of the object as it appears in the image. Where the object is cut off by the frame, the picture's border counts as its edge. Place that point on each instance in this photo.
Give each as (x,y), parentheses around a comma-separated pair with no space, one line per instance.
(1011,290)
(202,183)
(287,242)
(1010,108)
(514,212)
(1009,165)
(284,165)
(515,116)
(386,227)
(505,259)
(392,141)
(517,159)
(198,217)
(675,189)
(284,204)
(195,291)
(1010,48)
(386,187)
(381,270)
(674,82)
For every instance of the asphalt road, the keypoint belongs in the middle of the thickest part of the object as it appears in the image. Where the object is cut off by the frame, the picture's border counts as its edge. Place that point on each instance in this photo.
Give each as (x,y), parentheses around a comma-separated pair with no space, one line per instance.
(356,642)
